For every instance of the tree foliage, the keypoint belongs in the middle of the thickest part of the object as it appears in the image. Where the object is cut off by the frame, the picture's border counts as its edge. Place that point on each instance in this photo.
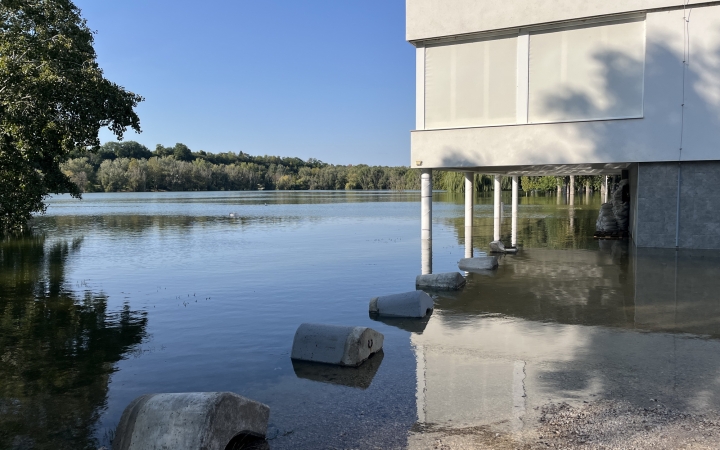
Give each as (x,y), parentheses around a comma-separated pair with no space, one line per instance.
(106,170)
(53,99)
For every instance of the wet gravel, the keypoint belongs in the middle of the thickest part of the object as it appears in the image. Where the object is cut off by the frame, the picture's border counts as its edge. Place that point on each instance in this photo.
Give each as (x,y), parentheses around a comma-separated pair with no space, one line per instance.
(597,425)
(619,425)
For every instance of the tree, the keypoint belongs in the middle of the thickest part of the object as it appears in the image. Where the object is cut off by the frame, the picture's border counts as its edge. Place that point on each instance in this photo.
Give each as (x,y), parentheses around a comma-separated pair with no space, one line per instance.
(182,152)
(53,99)
(80,172)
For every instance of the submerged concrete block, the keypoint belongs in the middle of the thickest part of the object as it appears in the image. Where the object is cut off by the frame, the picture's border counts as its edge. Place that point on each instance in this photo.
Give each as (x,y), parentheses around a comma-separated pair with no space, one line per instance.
(332,344)
(450,281)
(189,421)
(481,263)
(407,304)
(497,247)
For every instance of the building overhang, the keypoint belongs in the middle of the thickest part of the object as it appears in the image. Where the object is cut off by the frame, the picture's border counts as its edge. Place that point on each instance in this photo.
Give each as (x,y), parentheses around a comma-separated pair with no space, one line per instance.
(547,169)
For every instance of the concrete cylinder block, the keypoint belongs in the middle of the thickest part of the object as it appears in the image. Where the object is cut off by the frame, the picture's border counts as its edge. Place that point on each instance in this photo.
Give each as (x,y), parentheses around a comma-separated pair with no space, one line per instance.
(497,247)
(189,421)
(407,304)
(332,344)
(481,263)
(451,281)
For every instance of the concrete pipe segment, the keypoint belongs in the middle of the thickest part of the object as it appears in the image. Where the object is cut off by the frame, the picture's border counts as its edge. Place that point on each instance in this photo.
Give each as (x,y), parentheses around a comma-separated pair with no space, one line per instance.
(408,304)
(497,247)
(481,263)
(189,421)
(451,281)
(332,344)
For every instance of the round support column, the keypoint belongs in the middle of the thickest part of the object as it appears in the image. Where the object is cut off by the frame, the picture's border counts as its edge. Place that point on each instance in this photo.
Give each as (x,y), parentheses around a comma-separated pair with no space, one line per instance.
(469,203)
(605,189)
(426,221)
(496,216)
(513,234)
(426,204)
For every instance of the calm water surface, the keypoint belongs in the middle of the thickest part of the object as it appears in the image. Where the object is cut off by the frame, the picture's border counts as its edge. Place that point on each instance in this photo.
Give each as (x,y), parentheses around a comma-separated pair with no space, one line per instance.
(119,295)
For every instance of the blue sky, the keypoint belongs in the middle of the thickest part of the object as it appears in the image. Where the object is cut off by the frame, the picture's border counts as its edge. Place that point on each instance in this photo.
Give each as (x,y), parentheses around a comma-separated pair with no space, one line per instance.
(327,79)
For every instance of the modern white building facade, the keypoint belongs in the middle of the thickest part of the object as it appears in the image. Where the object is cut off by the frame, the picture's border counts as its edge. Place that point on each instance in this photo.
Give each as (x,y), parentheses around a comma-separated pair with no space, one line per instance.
(542,87)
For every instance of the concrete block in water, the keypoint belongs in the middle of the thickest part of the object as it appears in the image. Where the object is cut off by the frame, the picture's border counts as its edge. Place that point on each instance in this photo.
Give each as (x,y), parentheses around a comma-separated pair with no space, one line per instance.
(497,247)
(450,281)
(481,263)
(407,304)
(332,344)
(189,421)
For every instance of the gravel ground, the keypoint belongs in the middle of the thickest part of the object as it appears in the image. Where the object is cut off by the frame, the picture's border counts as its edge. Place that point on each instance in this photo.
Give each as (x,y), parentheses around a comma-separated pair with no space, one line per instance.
(614,425)
(598,425)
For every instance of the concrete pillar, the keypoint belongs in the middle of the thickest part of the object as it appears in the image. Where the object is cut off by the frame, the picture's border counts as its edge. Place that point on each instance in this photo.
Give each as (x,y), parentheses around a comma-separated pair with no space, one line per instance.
(497,190)
(469,202)
(605,189)
(513,234)
(426,204)
(572,190)
(587,192)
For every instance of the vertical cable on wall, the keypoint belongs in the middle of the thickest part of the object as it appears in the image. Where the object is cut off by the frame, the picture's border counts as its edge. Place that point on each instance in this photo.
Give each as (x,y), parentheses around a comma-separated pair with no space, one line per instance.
(686,63)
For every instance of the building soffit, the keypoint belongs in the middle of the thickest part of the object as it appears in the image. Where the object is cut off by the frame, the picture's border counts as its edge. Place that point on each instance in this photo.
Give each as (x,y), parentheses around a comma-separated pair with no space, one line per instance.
(546,169)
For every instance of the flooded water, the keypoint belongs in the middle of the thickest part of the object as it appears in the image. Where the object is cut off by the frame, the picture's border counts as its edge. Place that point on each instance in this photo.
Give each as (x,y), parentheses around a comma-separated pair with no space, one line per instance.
(120,295)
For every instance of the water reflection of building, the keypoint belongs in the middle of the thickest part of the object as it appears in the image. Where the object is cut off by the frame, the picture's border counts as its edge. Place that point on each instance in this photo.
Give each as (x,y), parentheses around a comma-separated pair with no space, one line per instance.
(562,325)
(57,349)
(677,290)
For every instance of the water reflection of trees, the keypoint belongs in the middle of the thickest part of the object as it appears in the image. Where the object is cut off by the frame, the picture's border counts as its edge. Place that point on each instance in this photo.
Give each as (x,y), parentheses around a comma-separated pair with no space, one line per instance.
(58,348)
(543,222)
(139,223)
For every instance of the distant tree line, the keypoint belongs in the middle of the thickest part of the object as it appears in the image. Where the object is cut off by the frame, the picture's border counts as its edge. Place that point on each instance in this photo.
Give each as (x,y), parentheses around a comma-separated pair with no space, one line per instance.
(130,166)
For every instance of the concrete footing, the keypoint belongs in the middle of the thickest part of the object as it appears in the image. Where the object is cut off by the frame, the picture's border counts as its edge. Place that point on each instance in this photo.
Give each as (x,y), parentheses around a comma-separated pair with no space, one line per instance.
(481,263)
(407,304)
(189,421)
(450,281)
(332,344)
(497,247)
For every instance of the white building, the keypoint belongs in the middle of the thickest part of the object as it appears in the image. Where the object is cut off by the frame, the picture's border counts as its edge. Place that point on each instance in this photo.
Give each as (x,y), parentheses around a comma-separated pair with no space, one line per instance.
(540,87)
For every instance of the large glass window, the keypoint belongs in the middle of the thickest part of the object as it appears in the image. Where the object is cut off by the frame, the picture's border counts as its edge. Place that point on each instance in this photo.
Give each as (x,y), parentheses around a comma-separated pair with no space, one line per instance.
(585,73)
(471,83)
